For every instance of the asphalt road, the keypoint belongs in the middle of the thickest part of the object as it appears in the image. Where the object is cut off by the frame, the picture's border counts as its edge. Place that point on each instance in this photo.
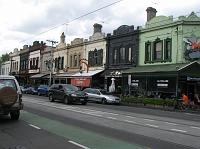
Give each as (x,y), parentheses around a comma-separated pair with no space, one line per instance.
(106,126)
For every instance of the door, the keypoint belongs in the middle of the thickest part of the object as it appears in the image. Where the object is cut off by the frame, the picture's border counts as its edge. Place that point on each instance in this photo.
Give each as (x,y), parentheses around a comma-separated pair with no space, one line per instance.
(61,92)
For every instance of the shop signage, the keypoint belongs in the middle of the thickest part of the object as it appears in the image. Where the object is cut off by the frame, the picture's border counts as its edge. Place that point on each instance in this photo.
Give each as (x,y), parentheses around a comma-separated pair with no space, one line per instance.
(192,48)
(83,82)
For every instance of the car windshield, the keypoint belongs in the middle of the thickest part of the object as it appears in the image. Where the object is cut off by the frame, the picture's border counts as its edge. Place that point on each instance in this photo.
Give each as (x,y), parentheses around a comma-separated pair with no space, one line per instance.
(7,83)
(43,86)
(104,92)
(69,87)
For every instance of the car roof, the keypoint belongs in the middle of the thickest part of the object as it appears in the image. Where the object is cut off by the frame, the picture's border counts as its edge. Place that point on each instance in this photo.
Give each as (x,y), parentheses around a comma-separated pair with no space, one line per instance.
(6,77)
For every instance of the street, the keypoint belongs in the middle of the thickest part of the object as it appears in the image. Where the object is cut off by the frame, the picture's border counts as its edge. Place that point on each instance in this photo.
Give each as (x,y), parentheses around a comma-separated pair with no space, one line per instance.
(45,124)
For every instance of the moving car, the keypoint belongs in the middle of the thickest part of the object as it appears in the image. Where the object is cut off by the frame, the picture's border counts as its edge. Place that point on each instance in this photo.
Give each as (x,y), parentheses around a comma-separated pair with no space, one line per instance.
(102,96)
(67,93)
(10,97)
(43,90)
(31,90)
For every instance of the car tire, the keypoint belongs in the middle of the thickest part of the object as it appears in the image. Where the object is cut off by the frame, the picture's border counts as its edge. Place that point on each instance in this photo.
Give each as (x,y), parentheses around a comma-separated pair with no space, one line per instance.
(104,101)
(51,98)
(84,102)
(66,100)
(14,115)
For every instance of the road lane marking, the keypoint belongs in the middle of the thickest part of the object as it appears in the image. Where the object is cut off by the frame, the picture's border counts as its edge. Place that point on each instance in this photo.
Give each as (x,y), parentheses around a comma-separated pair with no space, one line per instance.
(146,119)
(178,130)
(94,114)
(195,127)
(34,126)
(171,123)
(155,126)
(130,117)
(112,118)
(131,121)
(79,145)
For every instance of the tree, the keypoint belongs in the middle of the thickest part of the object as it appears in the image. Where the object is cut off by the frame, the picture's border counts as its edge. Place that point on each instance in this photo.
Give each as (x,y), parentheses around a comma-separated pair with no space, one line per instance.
(4,58)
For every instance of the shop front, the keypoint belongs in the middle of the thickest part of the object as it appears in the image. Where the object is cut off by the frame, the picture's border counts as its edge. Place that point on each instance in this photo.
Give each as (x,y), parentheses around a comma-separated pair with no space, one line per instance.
(168,80)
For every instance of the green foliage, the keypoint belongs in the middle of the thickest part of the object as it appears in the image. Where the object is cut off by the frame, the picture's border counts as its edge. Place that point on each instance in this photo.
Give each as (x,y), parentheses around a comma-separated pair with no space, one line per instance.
(147,101)
(4,58)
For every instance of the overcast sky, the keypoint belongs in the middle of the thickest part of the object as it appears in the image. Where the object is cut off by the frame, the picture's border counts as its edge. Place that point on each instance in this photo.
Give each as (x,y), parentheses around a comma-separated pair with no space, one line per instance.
(22,20)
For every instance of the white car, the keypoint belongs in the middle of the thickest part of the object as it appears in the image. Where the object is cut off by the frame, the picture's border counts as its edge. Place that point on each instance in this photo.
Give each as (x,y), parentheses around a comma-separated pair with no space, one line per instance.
(102,96)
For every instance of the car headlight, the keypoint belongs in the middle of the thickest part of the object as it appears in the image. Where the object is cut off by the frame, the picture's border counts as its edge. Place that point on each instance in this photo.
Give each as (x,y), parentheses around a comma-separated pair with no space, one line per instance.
(74,95)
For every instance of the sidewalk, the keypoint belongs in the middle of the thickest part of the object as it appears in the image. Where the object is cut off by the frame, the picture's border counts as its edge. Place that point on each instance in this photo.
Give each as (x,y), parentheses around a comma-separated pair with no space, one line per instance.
(158,107)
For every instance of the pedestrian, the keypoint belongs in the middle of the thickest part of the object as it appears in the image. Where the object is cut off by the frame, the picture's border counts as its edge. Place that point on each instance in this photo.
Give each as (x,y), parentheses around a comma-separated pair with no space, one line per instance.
(185,99)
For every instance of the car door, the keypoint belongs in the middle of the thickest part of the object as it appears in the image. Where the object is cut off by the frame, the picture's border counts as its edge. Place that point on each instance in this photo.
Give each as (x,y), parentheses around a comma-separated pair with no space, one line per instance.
(95,95)
(89,94)
(61,92)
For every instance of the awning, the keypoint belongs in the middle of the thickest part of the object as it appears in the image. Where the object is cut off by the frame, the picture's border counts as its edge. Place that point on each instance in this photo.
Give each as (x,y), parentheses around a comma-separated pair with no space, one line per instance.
(64,75)
(187,69)
(112,73)
(90,73)
(40,75)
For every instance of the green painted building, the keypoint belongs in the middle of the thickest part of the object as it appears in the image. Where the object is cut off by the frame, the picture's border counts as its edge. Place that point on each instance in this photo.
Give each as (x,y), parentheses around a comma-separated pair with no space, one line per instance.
(169,52)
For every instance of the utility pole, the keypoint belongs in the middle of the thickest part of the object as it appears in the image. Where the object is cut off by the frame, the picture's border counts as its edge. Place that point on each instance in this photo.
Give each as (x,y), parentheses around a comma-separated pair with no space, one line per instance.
(51,60)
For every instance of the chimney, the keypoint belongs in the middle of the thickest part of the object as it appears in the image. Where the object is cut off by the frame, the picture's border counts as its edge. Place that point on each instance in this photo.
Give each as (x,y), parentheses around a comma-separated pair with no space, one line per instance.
(151,13)
(97,28)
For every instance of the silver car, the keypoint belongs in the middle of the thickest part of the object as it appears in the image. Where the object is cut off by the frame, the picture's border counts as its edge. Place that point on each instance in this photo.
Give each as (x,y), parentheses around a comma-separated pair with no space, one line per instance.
(102,96)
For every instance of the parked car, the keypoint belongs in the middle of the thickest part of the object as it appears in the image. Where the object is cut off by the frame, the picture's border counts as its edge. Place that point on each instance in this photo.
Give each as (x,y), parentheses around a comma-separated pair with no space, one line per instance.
(102,96)
(67,93)
(10,97)
(43,90)
(31,90)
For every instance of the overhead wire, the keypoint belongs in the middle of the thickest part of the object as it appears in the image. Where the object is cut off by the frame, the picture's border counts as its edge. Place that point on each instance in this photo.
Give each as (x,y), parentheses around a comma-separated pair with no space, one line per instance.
(77,18)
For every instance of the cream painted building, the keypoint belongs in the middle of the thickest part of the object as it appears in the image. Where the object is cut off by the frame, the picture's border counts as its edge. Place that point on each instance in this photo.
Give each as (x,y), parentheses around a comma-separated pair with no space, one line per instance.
(15,62)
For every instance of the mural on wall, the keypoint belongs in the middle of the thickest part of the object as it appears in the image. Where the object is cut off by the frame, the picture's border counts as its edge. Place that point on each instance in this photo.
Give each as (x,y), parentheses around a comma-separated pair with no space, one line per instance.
(192,48)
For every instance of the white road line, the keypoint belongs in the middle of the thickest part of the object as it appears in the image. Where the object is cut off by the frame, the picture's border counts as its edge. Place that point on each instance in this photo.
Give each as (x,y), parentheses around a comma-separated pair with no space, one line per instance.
(192,114)
(94,114)
(79,145)
(179,130)
(146,119)
(130,117)
(112,118)
(155,126)
(171,123)
(34,126)
(195,127)
(131,121)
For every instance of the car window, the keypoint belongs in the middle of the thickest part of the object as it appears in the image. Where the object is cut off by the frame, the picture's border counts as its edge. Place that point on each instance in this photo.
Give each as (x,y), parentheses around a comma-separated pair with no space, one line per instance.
(7,83)
(69,87)
(104,92)
(87,90)
(95,92)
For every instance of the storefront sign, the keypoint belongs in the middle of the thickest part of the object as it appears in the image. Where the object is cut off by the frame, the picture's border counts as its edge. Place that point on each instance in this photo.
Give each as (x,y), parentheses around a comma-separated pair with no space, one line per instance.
(192,46)
(84,82)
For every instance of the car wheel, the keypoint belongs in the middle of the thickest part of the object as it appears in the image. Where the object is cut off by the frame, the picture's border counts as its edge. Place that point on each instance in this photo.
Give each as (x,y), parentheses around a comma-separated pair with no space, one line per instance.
(104,101)
(14,115)
(66,100)
(51,98)
(84,102)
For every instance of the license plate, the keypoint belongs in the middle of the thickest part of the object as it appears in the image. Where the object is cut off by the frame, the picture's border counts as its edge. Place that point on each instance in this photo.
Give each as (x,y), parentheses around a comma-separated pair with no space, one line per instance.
(82,99)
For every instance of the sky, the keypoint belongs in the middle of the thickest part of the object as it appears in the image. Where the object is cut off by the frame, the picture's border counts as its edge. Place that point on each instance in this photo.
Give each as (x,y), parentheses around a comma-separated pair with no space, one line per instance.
(24,21)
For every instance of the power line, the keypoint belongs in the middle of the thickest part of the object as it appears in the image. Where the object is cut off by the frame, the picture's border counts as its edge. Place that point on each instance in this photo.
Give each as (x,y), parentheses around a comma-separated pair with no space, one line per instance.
(91,12)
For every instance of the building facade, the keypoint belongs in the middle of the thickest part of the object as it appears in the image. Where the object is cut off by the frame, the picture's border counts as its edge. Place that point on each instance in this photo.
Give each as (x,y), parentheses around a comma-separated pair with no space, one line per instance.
(168,49)
(5,68)
(122,54)
(15,62)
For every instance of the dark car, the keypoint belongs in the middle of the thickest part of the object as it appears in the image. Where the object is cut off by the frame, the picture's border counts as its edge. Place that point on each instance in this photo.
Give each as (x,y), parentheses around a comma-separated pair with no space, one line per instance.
(67,93)
(31,90)
(43,90)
